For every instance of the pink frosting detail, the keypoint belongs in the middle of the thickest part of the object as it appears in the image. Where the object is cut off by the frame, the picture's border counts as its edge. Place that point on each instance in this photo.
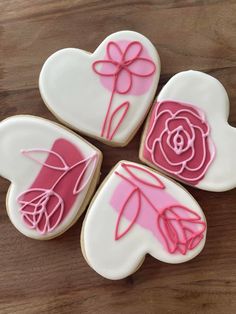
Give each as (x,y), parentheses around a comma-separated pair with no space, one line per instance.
(62,177)
(140,84)
(178,141)
(126,69)
(178,228)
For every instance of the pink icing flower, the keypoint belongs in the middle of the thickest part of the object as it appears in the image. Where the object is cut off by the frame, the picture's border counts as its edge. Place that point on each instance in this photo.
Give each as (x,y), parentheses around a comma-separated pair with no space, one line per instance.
(179,141)
(177,225)
(123,64)
(125,67)
(61,178)
(43,211)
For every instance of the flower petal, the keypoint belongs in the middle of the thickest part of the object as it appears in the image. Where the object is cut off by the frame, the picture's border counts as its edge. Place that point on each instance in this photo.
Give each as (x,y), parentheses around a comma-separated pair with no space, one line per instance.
(181,228)
(196,168)
(180,123)
(172,158)
(124,82)
(181,212)
(160,160)
(114,52)
(194,118)
(132,51)
(168,233)
(157,126)
(105,67)
(200,146)
(42,224)
(54,218)
(142,67)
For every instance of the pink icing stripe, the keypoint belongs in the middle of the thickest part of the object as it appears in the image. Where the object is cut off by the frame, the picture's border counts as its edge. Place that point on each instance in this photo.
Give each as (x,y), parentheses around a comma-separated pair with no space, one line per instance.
(177,227)
(178,141)
(49,199)
(122,65)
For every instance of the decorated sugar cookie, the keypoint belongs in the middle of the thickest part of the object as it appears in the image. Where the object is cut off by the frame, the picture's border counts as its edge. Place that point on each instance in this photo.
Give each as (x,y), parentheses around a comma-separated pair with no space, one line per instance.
(105,94)
(53,173)
(138,211)
(187,135)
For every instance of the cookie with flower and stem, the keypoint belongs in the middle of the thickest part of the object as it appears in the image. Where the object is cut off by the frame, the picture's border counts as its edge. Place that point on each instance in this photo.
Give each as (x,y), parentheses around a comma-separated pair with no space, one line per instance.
(105,94)
(187,135)
(53,173)
(138,211)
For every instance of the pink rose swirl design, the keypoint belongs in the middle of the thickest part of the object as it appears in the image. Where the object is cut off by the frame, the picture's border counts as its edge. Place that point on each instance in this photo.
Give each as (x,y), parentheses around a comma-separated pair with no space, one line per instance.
(178,141)
(179,227)
(121,65)
(42,208)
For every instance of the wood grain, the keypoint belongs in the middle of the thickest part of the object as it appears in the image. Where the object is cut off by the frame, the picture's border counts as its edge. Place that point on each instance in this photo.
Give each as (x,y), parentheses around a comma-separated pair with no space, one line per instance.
(52,277)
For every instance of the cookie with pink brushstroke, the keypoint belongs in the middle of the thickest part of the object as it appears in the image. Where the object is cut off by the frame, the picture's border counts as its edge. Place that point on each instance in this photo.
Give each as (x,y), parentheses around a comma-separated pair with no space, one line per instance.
(53,174)
(138,211)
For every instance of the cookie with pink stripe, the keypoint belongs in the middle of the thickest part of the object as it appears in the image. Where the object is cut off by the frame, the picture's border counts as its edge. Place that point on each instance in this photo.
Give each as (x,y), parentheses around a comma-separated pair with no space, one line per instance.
(187,135)
(53,174)
(105,94)
(138,211)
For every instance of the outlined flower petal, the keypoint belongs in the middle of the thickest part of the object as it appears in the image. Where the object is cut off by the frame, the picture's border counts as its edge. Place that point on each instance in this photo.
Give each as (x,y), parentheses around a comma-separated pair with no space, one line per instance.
(135,193)
(32,200)
(42,225)
(158,125)
(181,228)
(143,176)
(168,233)
(114,51)
(123,81)
(42,212)
(181,212)
(116,119)
(55,216)
(132,51)
(105,67)
(195,118)
(142,67)
(30,153)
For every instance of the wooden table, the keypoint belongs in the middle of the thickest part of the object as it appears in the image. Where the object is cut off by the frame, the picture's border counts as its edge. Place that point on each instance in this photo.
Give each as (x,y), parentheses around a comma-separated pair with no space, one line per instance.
(53,277)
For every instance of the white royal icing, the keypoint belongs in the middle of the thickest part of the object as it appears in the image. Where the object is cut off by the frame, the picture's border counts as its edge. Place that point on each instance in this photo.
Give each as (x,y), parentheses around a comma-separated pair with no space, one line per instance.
(74,93)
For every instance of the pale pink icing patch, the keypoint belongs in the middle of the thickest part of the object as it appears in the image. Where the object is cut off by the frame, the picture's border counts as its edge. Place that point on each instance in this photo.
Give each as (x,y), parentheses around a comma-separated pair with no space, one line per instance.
(178,228)
(139,85)
(52,194)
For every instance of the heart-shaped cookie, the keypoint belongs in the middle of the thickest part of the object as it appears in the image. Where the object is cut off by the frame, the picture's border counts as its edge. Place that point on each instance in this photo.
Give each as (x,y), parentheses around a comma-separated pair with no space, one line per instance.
(187,134)
(138,211)
(53,174)
(106,94)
